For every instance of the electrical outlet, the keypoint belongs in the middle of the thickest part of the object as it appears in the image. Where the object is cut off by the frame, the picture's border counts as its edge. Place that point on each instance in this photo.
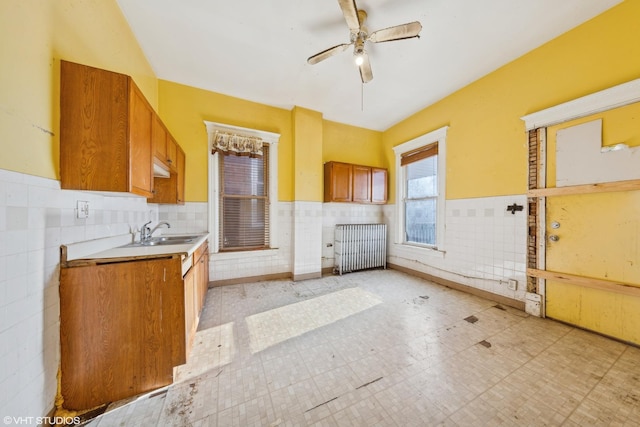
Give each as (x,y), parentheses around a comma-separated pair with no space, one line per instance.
(512,284)
(82,209)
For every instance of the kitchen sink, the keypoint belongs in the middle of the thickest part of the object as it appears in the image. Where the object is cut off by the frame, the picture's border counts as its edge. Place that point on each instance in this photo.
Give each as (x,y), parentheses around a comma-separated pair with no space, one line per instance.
(165,240)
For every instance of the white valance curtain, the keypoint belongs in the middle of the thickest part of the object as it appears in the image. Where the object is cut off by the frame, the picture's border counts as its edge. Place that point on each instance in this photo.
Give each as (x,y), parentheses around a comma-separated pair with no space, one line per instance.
(240,145)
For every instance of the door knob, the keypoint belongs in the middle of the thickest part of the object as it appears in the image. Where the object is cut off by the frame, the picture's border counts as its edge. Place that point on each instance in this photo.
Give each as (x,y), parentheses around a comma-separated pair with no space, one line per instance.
(554,238)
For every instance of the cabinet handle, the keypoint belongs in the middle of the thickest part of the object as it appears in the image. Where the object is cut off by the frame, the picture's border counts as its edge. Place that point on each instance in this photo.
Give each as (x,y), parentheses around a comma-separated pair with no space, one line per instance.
(164,274)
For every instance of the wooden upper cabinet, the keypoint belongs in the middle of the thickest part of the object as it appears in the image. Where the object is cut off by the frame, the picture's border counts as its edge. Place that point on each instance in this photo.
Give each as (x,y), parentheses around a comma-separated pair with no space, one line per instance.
(171,190)
(361,184)
(378,185)
(345,182)
(180,171)
(338,182)
(105,132)
(172,152)
(159,134)
(140,143)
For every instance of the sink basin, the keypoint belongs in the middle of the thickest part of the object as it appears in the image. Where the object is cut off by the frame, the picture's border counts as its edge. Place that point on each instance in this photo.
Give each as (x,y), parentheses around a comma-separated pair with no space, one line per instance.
(165,240)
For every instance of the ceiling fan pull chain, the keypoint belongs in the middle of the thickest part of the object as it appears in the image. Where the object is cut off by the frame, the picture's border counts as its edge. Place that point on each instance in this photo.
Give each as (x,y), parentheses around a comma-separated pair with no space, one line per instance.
(362,97)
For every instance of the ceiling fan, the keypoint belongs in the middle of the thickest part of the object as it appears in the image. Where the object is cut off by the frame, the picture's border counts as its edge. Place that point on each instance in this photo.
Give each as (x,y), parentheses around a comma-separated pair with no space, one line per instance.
(359,35)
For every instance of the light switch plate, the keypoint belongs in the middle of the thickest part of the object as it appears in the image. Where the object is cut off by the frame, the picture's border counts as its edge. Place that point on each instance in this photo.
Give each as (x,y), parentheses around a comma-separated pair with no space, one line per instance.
(512,284)
(82,209)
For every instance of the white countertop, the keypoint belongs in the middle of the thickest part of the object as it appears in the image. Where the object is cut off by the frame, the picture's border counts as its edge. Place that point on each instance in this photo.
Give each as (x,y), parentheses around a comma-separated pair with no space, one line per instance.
(115,248)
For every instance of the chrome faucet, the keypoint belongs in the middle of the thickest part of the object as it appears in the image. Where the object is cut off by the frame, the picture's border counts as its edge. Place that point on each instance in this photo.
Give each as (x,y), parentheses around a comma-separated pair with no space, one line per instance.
(146,232)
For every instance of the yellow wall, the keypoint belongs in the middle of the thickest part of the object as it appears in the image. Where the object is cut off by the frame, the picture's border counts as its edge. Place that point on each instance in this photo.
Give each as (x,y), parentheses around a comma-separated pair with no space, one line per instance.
(486,142)
(307,155)
(599,237)
(35,35)
(184,109)
(351,144)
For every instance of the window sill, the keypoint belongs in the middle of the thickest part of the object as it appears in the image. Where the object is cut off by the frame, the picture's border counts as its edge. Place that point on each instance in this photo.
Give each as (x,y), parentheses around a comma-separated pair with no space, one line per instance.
(422,250)
(245,254)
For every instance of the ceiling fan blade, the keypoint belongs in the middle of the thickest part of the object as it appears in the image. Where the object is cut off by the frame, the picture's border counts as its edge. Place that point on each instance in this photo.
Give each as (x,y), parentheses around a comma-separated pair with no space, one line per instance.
(350,12)
(399,32)
(365,69)
(327,53)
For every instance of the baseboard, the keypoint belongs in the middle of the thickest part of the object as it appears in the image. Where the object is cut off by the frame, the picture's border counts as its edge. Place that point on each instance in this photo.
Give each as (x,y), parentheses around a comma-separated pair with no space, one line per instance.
(250,279)
(460,287)
(299,277)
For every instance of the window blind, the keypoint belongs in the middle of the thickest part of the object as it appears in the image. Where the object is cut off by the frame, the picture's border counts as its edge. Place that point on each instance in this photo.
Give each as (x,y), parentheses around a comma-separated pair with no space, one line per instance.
(419,154)
(244,201)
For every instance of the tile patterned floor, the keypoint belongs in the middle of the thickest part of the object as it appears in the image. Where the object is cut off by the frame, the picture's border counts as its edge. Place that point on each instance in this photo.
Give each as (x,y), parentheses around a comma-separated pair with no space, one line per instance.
(381,348)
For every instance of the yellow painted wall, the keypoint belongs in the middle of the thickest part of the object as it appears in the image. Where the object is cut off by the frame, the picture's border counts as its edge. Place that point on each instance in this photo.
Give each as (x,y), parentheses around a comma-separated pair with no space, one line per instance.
(35,35)
(351,144)
(184,109)
(599,237)
(307,153)
(486,142)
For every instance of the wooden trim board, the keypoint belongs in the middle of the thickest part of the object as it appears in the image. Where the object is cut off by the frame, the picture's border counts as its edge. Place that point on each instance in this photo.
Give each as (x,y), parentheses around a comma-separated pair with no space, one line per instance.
(587,282)
(603,187)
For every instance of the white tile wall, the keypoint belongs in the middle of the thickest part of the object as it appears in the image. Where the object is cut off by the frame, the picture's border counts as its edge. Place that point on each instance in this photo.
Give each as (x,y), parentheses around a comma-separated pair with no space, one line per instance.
(485,245)
(192,217)
(36,217)
(344,213)
(307,238)
(224,266)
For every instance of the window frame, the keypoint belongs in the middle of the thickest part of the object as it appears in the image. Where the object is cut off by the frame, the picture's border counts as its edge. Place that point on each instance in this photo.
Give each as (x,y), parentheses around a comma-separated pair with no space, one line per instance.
(213,192)
(438,136)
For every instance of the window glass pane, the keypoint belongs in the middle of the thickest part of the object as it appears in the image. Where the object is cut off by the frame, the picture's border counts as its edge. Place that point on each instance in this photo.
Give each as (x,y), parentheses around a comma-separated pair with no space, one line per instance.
(243,175)
(420,221)
(422,178)
(243,222)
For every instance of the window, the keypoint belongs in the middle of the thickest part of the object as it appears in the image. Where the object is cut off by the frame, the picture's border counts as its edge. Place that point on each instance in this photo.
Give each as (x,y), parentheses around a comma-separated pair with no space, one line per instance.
(243,191)
(420,190)
(244,201)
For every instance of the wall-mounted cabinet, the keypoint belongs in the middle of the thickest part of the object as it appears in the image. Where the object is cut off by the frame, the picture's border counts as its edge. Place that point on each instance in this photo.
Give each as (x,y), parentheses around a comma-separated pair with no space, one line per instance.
(171,190)
(111,138)
(345,182)
(105,132)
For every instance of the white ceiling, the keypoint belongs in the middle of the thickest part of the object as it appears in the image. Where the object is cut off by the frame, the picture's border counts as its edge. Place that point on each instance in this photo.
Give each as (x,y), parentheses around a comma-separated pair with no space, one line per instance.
(257,50)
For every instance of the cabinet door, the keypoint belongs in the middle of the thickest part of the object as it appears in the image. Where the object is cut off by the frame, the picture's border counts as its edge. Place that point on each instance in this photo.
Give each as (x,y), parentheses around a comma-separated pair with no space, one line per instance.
(172,152)
(190,311)
(378,185)
(94,111)
(140,144)
(181,160)
(159,135)
(338,177)
(361,184)
(117,330)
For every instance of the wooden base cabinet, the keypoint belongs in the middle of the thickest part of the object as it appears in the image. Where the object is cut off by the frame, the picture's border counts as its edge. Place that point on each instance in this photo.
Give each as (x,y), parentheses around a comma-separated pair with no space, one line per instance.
(121,329)
(196,284)
(124,326)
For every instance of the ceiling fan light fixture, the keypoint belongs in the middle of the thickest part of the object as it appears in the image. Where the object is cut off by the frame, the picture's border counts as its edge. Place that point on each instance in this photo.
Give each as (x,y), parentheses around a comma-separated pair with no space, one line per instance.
(358,57)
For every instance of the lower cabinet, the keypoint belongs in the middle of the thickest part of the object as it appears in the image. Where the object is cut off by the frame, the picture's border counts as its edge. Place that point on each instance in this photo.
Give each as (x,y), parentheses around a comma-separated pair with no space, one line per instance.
(196,283)
(124,326)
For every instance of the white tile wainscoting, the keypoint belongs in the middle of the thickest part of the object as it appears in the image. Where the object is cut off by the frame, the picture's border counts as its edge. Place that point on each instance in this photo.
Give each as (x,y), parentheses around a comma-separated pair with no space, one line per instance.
(36,217)
(484,245)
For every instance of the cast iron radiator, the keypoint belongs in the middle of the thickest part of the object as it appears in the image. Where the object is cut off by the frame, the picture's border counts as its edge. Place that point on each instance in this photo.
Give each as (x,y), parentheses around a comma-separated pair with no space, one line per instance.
(360,246)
